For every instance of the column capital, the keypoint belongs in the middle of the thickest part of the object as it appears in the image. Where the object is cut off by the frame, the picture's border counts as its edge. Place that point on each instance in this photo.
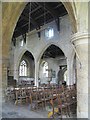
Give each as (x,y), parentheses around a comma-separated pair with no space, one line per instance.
(80,38)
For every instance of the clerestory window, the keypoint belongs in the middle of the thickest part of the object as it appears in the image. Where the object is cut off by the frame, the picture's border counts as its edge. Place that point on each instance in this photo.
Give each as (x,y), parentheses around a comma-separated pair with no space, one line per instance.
(49,33)
(22,43)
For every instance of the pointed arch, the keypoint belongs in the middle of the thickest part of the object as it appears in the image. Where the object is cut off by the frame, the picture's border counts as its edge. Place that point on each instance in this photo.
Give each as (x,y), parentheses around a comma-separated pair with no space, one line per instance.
(20,56)
(9,24)
(51,43)
(71,9)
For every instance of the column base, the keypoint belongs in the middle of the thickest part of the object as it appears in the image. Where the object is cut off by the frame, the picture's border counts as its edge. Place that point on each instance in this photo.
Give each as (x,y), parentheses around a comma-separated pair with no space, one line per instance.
(82,114)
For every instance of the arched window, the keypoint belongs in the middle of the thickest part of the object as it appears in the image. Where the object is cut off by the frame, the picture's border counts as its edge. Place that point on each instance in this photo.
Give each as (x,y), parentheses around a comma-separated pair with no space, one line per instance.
(45,69)
(23,68)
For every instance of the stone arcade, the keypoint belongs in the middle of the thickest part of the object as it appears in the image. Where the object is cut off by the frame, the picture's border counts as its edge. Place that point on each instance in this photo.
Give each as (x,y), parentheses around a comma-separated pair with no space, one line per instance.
(37,52)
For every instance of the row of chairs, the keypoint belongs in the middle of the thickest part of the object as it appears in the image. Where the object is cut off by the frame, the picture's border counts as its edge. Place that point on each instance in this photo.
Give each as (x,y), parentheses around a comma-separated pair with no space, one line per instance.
(59,98)
(32,95)
(64,102)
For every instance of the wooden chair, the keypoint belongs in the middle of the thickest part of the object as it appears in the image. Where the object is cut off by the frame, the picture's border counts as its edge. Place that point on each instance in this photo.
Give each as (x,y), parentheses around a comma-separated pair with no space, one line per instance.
(54,103)
(36,99)
(68,100)
(10,94)
(20,96)
(62,105)
(45,96)
(60,102)
(28,91)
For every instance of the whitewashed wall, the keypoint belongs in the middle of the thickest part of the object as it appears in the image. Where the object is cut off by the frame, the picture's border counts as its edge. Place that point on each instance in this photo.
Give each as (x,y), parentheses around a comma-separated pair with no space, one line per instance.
(37,46)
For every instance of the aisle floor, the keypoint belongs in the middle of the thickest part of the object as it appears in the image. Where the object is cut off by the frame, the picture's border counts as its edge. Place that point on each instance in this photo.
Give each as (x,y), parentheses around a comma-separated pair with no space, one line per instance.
(10,110)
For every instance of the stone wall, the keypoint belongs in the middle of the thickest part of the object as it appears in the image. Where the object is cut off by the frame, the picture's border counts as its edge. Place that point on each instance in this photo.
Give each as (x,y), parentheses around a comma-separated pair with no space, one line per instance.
(37,46)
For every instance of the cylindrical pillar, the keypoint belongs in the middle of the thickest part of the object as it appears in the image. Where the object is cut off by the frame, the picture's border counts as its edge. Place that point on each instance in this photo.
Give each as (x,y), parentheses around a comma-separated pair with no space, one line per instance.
(69,72)
(4,76)
(80,41)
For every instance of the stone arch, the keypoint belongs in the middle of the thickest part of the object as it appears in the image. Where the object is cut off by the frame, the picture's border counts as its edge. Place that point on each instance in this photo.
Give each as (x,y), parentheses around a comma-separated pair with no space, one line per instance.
(49,44)
(71,9)
(9,21)
(20,56)
(8,27)
(17,62)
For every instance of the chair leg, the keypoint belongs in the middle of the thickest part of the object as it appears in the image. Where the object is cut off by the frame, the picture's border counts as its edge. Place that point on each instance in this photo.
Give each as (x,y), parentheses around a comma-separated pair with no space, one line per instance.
(27,99)
(16,102)
(21,101)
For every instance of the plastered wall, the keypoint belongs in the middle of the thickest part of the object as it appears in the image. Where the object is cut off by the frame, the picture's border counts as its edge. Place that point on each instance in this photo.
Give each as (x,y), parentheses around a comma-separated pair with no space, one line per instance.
(37,46)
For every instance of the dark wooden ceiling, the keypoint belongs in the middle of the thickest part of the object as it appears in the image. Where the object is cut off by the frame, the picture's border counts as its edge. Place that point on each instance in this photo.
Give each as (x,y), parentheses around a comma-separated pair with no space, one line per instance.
(35,15)
(52,52)
(28,55)
(38,14)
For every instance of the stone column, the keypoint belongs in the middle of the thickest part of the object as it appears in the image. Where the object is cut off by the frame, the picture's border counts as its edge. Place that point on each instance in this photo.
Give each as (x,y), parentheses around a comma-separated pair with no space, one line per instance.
(0,60)
(4,73)
(80,41)
(0,81)
(4,76)
(69,72)
(16,72)
(36,72)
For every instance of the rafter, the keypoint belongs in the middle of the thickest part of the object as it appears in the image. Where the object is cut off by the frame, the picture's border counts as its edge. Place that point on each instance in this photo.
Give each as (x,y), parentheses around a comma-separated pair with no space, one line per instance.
(48,8)
(52,12)
(41,15)
(34,10)
(33,22)
(25,16)
(59,5)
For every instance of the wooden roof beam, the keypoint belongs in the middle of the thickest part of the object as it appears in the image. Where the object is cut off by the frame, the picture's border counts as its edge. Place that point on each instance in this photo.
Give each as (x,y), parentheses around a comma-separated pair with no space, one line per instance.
(31,20)
(52,12)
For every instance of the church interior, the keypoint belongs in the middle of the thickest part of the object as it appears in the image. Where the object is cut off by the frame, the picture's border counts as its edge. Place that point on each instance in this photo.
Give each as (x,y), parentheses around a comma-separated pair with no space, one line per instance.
(44,60)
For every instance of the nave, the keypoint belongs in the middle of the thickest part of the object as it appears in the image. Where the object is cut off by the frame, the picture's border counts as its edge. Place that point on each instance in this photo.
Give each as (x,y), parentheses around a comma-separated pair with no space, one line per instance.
(54,101)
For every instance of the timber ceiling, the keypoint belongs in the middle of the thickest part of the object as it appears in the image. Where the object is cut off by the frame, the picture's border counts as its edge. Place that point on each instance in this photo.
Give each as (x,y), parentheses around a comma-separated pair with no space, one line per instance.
(52,52)
(38,14)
